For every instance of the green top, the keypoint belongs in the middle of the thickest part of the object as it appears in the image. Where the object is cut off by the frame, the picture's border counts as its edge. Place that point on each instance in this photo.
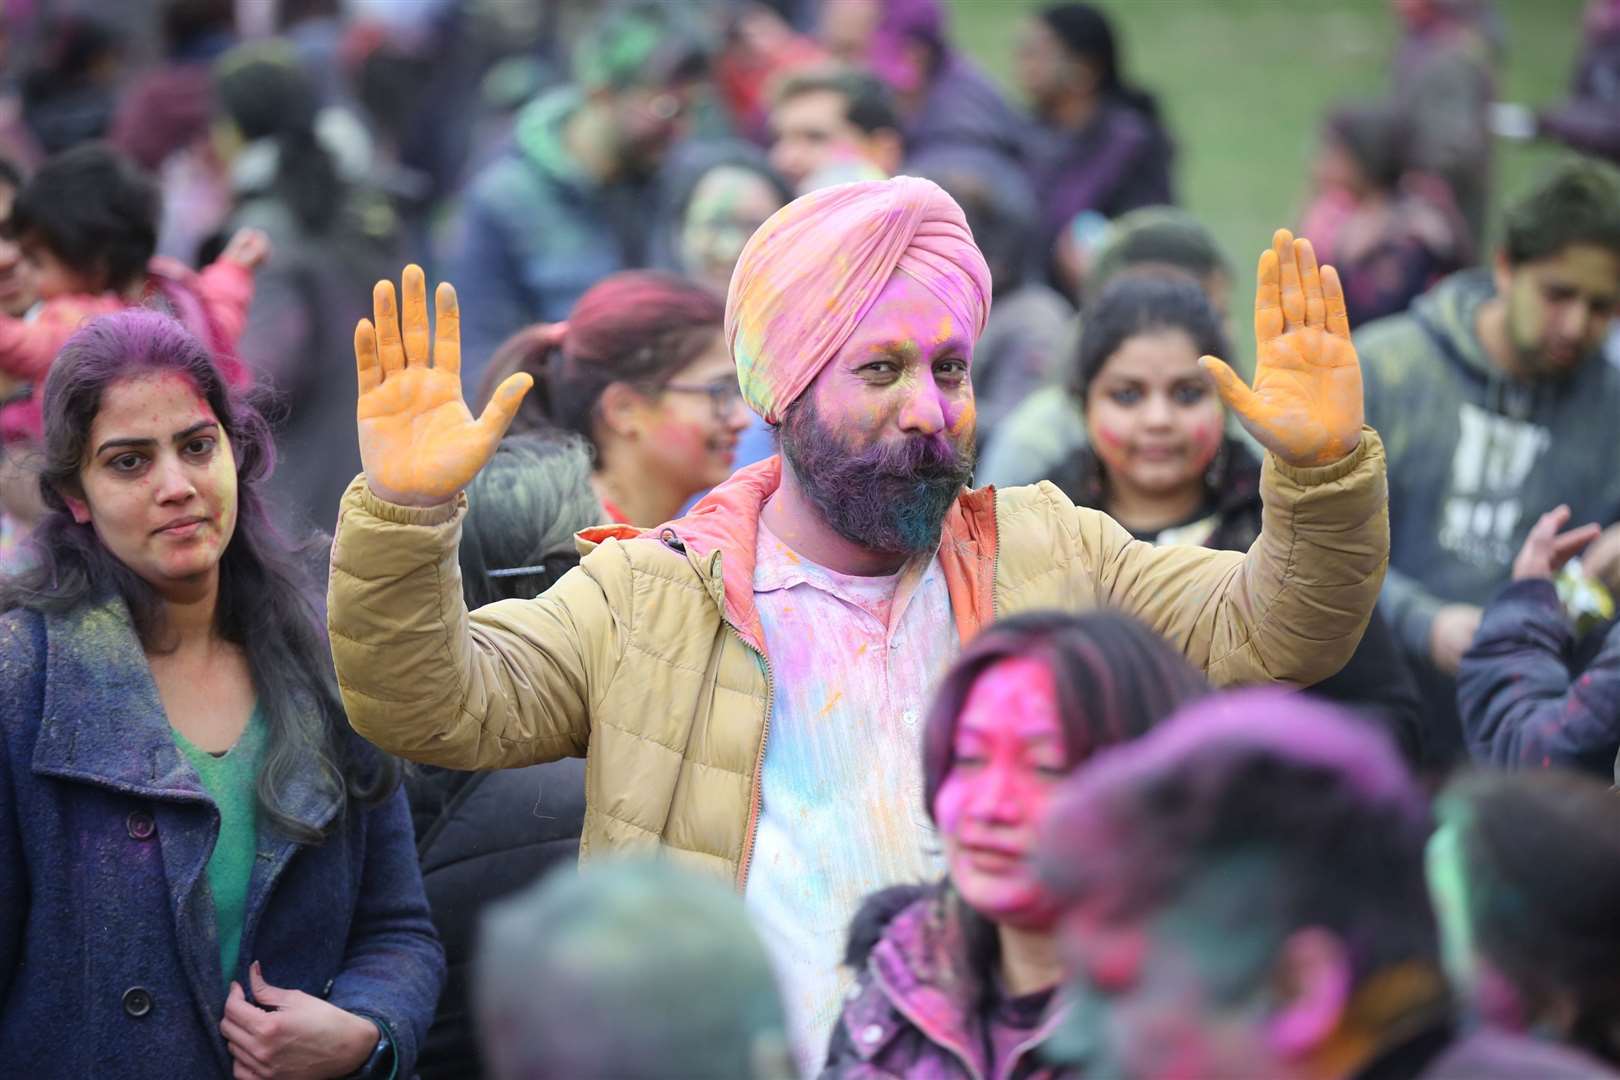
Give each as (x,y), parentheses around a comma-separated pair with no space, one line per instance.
(231,779)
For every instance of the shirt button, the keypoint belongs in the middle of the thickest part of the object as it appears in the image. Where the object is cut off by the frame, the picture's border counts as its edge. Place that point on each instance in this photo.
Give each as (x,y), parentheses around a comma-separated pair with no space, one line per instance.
(872,1034)
(137,1001)
(140,825)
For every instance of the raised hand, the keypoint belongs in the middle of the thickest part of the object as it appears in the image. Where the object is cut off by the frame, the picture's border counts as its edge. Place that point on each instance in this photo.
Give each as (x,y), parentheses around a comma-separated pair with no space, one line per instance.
(1546,549)
(1305,405)
(419,444)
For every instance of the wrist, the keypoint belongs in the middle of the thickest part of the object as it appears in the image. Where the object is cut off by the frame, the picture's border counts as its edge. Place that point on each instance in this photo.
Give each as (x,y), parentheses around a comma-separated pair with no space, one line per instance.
(407,499)
(360,1039)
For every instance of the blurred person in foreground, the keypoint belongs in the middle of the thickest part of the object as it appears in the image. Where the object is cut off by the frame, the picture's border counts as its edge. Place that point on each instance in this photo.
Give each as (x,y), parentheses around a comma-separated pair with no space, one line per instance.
(1045,429)
(1243,894)
(330,235)
(1391,233)
(641,372)
(730,675)
(637,970)
(484,835)
(1524,870)
(964,970)
(1159,459)
(821,120)
(570,201)
(1096,143)
(1496,402)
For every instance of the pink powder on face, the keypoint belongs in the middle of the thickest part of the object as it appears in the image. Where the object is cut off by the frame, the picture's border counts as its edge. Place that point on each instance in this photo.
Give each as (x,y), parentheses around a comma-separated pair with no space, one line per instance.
(1008,758)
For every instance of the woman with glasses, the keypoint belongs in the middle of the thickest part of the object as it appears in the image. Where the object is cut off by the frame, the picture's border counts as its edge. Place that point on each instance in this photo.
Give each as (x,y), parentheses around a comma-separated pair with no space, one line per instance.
(641,370)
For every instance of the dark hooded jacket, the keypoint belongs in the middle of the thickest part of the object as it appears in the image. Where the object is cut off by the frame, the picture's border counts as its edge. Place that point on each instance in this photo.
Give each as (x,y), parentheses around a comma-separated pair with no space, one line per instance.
(1376,680)
(919,1006)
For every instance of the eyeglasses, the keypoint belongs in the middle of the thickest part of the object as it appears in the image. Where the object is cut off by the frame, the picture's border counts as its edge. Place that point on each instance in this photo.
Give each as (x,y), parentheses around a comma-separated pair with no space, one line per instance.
(724,395)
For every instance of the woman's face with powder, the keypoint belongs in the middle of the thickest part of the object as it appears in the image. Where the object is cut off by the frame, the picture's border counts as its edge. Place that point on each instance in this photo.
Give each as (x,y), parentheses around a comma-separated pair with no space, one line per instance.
(728,205)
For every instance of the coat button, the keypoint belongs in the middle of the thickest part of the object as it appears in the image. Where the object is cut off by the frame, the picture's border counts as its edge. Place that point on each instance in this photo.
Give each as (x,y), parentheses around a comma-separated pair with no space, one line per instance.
(137,1001)
(140,825)
(872,1034)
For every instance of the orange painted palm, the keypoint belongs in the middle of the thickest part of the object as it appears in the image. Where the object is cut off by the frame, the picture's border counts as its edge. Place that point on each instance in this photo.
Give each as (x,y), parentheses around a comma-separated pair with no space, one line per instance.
(1305,405)
(419,443)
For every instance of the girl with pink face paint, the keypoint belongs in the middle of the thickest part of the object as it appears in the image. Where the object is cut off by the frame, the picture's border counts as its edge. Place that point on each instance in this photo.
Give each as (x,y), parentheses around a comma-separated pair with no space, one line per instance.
(1160,462)
(959,976)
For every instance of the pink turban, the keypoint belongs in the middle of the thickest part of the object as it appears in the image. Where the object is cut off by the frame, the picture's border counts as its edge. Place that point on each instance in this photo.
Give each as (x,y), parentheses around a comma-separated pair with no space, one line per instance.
(810,274)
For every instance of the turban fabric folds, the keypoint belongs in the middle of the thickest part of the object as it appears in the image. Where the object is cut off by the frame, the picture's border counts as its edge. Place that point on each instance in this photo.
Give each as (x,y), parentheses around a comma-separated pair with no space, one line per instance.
(811,273)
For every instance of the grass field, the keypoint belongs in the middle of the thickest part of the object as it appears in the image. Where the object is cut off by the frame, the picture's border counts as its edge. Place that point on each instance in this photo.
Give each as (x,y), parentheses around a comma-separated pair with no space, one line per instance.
(1243,84)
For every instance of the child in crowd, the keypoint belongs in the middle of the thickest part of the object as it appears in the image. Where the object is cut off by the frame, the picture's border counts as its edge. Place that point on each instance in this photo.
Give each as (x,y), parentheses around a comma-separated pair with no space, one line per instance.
(86,222)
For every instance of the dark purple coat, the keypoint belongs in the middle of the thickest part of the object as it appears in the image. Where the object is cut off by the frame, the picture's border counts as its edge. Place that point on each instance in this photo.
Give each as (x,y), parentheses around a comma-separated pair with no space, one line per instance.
(1521,704)
(914,1011)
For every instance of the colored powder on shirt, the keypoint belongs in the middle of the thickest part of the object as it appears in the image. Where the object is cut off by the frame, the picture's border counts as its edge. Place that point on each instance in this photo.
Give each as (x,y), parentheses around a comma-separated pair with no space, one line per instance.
(854,661)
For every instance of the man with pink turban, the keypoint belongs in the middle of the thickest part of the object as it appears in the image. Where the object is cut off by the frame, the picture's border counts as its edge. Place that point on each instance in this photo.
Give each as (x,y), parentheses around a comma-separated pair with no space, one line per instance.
(746,682)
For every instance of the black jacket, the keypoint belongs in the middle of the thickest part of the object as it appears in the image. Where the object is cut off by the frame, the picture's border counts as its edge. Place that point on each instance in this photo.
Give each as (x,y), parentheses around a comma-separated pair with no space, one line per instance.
(482,836)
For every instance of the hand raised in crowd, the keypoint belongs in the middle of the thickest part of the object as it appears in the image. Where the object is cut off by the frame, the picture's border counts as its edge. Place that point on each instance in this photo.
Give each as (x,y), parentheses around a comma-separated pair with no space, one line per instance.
(292,1034)
(419,443)
(1546,550)
(248,248)
(1306,403)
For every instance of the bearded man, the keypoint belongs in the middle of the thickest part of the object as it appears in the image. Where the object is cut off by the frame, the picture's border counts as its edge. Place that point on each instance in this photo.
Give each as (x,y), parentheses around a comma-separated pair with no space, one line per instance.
(746,682)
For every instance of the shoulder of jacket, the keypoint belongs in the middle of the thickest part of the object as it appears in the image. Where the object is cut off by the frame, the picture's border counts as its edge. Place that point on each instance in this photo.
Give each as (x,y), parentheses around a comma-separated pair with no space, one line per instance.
(616,561)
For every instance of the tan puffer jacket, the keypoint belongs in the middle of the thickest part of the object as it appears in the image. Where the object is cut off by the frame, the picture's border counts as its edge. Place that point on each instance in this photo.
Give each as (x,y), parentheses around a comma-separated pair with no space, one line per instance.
(649,659)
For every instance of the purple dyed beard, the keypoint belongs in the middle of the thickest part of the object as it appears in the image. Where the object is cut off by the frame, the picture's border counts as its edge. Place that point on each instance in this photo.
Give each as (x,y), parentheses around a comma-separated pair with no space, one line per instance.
(890,496)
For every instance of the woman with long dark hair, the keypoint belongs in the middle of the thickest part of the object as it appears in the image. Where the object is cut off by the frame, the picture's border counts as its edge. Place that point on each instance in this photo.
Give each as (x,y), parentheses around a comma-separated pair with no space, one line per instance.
(642,372)
(202,871)
(1159,460)
(958,978)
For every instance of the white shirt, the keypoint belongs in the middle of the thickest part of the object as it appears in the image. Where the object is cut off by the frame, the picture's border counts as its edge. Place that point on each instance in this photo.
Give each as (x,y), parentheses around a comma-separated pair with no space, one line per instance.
(853,663)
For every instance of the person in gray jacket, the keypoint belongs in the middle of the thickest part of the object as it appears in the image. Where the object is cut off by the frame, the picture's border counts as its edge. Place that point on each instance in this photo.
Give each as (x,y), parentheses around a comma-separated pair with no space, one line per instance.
(1496,403)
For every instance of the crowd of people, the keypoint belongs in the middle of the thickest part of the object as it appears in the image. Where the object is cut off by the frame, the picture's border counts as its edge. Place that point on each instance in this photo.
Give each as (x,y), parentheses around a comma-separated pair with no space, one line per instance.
(788,580)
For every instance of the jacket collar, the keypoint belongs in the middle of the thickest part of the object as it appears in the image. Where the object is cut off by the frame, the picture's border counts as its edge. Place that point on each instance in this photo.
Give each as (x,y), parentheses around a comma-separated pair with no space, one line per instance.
(104,723)
(719,537)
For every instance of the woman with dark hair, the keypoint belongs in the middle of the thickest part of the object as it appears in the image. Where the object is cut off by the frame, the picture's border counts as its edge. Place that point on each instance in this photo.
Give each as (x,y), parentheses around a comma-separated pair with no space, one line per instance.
(1097,146)
(1391,233)
(484,835)
(203,872)
(1158,459)
(641,370)
(331,236)
(958,977)
(1524,870)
